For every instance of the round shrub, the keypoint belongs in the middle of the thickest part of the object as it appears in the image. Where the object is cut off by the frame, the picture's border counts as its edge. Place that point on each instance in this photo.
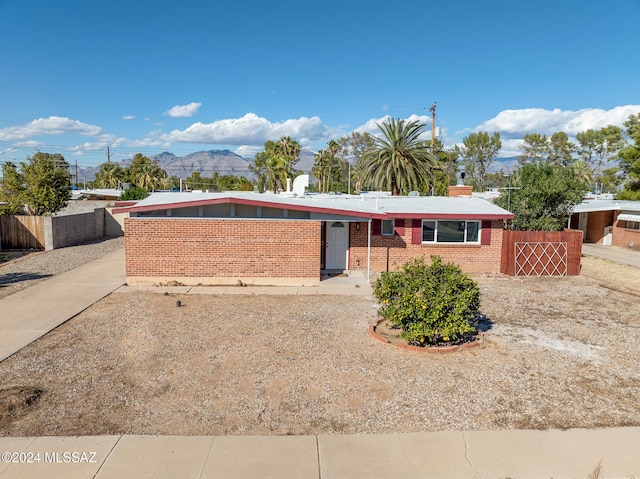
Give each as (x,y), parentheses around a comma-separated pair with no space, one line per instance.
(432,303)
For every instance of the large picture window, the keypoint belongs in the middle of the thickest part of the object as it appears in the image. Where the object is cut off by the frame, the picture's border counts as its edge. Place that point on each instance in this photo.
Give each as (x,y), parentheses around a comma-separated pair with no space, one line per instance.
(450,231)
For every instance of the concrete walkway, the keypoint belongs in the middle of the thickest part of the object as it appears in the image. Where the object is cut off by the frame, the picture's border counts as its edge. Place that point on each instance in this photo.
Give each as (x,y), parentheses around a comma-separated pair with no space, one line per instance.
(452,455)
(29,314)
(612,253)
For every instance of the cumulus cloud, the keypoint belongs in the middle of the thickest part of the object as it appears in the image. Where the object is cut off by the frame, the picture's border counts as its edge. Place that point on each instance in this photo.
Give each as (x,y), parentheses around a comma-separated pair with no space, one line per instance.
(128,117)
(513,125)
(517,123)
(184,111)
(371,126)
(54,125)
(250,130)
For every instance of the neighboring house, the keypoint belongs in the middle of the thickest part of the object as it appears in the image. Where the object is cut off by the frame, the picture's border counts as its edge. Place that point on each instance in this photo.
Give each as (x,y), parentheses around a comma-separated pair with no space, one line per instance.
(609,222)
(223,238)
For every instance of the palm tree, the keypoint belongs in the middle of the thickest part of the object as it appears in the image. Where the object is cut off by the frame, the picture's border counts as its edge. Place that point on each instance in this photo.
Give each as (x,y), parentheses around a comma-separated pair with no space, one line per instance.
(400,161)
(109,176)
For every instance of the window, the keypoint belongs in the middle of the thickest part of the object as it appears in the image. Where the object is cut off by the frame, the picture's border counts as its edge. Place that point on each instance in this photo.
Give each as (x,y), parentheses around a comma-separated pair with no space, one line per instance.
(633,225)
(450,231)
(388,227)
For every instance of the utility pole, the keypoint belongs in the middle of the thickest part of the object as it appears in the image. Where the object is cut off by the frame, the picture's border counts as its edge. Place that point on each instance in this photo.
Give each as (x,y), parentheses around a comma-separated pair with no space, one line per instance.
(108,155)
(76,172)
(433,126)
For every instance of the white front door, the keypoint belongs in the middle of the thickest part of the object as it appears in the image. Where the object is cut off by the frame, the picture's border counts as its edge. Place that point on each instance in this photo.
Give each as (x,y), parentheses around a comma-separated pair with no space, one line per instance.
(337,245)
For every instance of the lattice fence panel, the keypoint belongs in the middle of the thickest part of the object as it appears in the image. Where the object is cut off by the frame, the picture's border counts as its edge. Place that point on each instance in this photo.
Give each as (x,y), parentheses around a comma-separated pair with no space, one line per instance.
(540,259)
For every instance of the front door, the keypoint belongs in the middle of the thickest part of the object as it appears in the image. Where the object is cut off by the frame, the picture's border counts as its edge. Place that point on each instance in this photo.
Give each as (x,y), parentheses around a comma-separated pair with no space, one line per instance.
(337,245)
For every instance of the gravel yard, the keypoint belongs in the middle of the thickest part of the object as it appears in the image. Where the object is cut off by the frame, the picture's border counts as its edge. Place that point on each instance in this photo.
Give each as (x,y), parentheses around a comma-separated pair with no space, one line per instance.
(560,353)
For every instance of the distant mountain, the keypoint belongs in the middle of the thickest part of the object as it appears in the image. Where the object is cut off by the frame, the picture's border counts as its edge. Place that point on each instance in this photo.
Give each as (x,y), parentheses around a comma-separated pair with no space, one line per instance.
(223,162)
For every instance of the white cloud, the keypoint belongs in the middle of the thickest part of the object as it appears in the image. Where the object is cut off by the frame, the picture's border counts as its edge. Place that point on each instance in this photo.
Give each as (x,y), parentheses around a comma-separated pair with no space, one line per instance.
(54,125)
(250,130)
(517,123)
(128,117)
(184,111)
(371,126)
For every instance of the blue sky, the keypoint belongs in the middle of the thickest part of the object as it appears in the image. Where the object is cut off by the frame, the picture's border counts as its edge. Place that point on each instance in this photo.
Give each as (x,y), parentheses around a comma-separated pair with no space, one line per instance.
(79,76)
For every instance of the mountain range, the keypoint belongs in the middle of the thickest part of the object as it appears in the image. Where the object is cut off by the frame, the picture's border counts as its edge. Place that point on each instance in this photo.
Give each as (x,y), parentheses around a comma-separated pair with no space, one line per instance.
(223,162)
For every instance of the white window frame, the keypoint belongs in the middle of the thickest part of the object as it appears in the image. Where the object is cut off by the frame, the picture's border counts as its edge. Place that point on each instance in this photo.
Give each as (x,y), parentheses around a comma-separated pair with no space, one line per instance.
(391,222)
(466,229)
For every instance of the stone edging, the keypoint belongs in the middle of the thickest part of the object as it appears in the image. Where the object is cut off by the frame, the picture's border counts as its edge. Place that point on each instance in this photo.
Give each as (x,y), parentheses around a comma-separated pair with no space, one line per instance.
(432,349)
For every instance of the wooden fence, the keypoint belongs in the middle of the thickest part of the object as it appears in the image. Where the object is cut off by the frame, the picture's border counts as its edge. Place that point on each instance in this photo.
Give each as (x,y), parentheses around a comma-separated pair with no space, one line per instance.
(22,232)
(541,253)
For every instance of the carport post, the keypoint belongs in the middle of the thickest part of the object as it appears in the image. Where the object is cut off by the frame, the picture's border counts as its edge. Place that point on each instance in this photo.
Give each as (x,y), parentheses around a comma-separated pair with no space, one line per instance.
(368,249)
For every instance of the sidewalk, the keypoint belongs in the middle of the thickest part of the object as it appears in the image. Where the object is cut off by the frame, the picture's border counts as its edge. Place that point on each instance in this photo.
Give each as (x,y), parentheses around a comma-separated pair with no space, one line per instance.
(451,455)
(29,314)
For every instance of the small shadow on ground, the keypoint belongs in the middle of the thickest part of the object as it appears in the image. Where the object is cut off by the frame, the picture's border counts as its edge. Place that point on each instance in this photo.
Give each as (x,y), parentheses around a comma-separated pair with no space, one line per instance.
(10,278)
(482,323)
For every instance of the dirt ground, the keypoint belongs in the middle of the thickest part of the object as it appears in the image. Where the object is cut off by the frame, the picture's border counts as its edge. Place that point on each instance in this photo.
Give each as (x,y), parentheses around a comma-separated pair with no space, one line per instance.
(559,353)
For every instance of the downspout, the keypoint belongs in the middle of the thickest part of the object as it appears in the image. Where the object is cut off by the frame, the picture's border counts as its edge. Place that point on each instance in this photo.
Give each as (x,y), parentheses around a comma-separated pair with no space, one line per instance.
(368,250)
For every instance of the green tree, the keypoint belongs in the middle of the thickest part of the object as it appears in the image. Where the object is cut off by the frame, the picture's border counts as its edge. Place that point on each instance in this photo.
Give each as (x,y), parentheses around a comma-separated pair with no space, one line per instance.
(560,149)
(46,180)
(546,196)
(145,173)
(134,193)
(110,175)
(276,163)
(399,161)
(12,190)
(595,147)
(479,150)
(630,160)
(352,151)
(535,148)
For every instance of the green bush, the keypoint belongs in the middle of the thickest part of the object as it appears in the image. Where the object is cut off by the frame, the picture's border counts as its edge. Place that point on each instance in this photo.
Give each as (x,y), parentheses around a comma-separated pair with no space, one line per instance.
(432,303)
(134,193)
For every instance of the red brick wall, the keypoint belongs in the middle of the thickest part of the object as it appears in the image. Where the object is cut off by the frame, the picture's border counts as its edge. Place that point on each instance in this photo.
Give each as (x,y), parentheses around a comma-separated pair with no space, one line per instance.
(389,253)
(623,237)
(596,222)
(214,248)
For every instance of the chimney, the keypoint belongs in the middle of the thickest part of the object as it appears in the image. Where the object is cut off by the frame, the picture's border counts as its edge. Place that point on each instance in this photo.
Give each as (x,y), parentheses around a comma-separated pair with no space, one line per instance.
(460,190)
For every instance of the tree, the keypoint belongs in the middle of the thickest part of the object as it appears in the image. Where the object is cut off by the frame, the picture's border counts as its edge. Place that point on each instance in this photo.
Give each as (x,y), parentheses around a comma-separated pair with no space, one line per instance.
(46,179)
(630,160)
(12,191)
(110,175)
(479,150)
(326,166)
(598,146)
(546,196)
(560,149)
(352,151)
(276,163)
(535,148)
(399,161)
(145,173)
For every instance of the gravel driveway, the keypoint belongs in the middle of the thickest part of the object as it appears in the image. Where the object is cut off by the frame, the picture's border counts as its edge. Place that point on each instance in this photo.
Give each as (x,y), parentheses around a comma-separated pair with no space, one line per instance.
(561,353)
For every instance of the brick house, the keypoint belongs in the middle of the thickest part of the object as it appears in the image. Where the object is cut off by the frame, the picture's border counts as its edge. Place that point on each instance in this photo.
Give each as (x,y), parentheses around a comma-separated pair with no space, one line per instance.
(608,222)
(268,239)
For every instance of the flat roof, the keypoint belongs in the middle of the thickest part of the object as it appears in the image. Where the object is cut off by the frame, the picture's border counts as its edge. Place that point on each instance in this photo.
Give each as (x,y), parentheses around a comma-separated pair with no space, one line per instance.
(364,205)
(606,205)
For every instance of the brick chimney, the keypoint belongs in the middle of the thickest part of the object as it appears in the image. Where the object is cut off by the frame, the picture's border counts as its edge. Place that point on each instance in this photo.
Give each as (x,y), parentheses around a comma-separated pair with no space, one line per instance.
(460,190)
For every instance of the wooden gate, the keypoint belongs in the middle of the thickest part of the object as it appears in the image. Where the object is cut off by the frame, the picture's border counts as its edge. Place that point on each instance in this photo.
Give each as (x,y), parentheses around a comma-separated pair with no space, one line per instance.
(541,253)
(540,259)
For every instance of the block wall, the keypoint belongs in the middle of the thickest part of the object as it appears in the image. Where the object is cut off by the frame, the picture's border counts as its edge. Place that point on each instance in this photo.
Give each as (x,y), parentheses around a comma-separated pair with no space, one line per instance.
(389,253)
(205,251)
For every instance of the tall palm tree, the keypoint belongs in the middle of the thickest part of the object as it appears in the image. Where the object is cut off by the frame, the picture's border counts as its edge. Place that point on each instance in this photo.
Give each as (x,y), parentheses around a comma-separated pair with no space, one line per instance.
(399,161)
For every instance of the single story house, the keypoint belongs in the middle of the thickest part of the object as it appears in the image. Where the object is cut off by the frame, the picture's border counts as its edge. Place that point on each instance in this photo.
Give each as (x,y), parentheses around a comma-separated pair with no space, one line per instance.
(608,222)
(291,239)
